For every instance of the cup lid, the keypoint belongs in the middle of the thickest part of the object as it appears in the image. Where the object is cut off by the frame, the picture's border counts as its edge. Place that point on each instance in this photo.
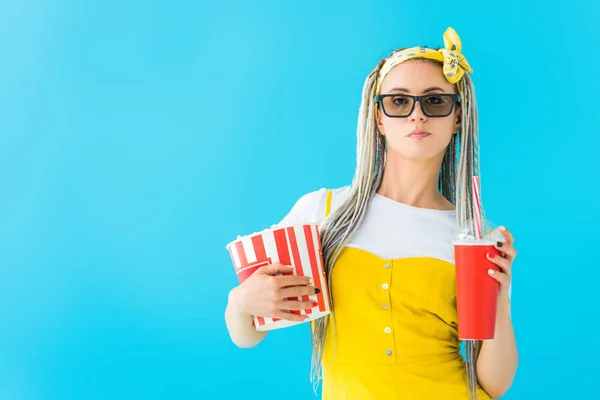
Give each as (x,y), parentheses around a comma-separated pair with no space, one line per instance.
(467,232)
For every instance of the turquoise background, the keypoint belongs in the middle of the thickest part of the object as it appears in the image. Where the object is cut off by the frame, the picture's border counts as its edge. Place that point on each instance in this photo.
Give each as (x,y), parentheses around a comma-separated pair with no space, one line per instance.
(138,137)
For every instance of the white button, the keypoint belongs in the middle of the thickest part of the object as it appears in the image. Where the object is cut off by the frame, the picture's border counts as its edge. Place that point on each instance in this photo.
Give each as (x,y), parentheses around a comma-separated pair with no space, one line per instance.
(385,306)
(388,352)
(387,265)
(387,329)
(384,286)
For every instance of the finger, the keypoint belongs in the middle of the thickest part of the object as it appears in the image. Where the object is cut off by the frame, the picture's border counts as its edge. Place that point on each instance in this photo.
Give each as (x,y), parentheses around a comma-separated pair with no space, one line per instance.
(290,305)
(275,268)
(507,250)
(503,263)
(298,291)
(291,317)
(501,246)
(507,235)
(501,277)
(294,280)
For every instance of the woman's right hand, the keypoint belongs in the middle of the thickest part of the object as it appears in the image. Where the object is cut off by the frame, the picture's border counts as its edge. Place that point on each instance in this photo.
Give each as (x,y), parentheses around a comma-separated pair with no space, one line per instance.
(266,292)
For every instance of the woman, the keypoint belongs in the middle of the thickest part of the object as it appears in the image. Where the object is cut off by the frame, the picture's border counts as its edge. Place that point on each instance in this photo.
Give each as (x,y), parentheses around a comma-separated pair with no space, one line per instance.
(387,245)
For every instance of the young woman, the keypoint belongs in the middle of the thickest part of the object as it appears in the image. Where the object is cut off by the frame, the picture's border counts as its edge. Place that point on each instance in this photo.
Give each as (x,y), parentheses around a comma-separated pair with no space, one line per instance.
(387,246)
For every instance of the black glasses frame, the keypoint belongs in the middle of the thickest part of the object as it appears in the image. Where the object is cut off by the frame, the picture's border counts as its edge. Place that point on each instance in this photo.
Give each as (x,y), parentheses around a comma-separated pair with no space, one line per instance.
(455,99)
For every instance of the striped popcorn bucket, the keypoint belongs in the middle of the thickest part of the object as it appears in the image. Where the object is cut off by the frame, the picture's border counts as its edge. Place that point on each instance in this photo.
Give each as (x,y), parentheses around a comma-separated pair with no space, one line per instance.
(298,246)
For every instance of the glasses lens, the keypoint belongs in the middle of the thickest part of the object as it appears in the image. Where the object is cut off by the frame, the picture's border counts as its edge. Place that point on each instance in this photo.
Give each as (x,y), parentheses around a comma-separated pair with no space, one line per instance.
(398,106)
(437,105)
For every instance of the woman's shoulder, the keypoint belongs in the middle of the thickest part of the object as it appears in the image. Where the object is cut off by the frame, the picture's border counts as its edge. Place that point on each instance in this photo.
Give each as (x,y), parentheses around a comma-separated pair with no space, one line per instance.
(311,206)
(338,197)
(320,195)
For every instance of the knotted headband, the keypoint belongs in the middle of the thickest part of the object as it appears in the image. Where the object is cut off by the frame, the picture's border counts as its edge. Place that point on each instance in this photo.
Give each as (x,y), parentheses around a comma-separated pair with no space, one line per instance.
(455,64)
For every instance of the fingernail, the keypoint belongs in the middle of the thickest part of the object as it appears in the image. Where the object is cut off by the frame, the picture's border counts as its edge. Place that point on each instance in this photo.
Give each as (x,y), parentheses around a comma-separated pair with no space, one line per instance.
(310,281)
(502,228)
(315,304)
(500,244)
(491,255)
(491,271)
(317,290)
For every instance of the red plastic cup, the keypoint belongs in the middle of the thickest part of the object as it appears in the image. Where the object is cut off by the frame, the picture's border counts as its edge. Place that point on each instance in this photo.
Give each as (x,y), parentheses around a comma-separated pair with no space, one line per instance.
(476,290)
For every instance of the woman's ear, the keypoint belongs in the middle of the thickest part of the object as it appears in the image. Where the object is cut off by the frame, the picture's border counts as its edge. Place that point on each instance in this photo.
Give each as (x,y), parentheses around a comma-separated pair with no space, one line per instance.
(379,121)
(457,120)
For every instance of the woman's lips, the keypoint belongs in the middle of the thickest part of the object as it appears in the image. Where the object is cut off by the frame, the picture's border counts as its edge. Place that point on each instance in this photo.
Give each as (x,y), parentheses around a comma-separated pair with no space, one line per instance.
(418,134)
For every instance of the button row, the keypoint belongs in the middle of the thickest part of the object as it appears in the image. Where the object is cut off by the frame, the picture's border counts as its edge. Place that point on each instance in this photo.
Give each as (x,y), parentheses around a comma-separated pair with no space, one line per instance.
(387,329)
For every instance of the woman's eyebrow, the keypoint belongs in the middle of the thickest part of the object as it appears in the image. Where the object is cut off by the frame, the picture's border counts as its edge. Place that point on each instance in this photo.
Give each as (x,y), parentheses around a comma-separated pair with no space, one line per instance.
(405,90)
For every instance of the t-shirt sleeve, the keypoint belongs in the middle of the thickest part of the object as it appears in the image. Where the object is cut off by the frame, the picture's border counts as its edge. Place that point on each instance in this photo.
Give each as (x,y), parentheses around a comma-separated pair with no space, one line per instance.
(307,209)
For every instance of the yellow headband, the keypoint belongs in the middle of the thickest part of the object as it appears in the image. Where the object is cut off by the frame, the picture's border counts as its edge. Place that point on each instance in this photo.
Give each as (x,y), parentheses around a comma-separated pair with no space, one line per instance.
(454,63)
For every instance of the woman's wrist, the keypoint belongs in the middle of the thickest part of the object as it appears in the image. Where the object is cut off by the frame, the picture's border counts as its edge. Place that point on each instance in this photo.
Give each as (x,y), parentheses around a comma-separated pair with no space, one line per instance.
(503,308)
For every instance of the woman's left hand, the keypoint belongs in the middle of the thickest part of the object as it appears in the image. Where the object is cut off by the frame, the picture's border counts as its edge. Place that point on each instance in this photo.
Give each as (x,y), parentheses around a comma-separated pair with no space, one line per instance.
(504,261)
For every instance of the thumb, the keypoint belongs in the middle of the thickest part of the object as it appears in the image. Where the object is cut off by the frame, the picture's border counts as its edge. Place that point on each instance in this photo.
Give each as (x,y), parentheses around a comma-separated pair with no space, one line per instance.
(276,269)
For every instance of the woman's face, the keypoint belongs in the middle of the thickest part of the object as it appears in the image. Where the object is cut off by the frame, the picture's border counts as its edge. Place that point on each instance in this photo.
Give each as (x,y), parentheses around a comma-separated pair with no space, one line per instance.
(417,77)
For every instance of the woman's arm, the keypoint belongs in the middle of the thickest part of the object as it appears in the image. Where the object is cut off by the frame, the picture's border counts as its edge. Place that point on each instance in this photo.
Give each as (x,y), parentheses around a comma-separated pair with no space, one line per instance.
(240,324)
(498,358)
(270,290)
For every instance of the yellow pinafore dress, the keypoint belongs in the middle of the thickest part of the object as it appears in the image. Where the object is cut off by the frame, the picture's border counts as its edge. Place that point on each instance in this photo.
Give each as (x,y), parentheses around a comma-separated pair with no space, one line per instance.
(396,332)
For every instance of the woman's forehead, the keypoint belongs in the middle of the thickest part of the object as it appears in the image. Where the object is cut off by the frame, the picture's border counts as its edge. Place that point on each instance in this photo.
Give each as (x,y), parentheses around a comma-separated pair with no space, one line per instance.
(416,76)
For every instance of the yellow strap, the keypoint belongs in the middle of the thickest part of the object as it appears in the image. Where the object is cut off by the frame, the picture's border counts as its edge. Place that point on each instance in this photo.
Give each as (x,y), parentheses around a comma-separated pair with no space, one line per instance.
(328,203)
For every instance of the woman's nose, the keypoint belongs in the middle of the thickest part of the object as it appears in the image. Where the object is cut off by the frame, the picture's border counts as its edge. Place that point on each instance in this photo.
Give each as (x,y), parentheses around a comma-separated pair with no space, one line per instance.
(417,113)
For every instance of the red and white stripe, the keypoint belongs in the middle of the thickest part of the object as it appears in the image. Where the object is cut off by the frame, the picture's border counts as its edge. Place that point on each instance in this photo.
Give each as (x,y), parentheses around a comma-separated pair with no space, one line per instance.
(298,246)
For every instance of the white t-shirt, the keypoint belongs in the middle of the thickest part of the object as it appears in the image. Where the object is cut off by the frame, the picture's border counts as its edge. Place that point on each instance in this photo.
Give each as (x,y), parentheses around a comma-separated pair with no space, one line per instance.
(390,230)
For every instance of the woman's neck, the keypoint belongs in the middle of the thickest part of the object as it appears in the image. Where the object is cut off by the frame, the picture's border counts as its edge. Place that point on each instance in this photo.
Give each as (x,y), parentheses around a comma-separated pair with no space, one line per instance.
(414,183)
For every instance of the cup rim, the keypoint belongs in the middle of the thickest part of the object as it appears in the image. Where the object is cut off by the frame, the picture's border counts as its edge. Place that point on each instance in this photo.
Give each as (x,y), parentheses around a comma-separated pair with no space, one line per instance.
(271,229)
(473,242)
